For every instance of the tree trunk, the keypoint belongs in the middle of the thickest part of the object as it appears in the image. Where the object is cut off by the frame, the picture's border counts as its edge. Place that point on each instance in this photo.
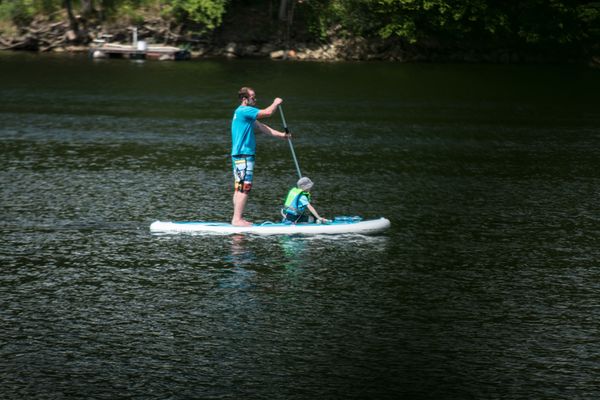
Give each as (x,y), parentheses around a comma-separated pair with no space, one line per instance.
(283,7)
(100,10)
(290,19)
(72,20)
(87,8)
(286,14)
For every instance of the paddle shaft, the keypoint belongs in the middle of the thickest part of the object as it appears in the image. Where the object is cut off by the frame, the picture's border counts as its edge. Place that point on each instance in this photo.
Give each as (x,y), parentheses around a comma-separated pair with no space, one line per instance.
(285,127)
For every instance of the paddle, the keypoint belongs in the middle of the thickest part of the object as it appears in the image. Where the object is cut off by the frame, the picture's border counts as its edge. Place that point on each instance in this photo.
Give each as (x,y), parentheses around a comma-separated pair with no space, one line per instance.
(285,127)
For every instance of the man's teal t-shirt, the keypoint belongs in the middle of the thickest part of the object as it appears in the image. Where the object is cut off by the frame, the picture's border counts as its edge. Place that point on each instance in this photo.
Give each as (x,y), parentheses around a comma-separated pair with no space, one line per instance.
(242,131)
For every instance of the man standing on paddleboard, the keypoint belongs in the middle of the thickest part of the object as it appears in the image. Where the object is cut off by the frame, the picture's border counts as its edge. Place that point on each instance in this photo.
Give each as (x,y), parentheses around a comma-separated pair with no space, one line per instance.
(243,147)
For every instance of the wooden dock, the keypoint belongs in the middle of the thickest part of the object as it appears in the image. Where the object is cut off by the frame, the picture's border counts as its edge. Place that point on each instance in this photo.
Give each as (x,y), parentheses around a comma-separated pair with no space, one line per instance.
(140,51)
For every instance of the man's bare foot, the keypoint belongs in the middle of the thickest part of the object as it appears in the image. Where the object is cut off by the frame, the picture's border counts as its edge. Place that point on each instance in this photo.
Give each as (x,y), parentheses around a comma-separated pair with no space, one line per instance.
(241,222)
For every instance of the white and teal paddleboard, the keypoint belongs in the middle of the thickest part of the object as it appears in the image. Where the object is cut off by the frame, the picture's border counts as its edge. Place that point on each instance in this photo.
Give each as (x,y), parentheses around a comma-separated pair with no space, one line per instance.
(339,225)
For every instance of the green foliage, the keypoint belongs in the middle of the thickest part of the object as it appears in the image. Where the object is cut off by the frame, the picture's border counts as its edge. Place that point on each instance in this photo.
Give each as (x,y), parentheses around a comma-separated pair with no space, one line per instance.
(588,16)
(48,6)
(207,13)
(128,10)
(318,18)
(532,23)
(20,12)
(411,20)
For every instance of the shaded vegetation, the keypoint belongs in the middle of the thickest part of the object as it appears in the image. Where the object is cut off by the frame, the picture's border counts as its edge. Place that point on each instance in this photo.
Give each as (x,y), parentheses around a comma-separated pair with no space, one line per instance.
(545,26)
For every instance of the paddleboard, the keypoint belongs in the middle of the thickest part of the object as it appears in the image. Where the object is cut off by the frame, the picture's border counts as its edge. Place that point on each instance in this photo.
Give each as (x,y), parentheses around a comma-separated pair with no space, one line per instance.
(340,225)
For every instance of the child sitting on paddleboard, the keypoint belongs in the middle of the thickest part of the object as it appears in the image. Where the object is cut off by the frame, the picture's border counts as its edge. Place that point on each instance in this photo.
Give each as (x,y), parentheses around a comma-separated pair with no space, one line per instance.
(297,208)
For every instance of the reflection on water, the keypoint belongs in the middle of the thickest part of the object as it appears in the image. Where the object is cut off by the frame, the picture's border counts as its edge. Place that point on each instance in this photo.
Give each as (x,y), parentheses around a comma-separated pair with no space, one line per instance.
(238,264)
(293,249)
(292,254)
(241,254)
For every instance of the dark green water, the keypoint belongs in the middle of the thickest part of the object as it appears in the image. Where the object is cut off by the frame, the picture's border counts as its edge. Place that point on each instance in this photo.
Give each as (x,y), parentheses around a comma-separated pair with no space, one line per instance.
(486,286)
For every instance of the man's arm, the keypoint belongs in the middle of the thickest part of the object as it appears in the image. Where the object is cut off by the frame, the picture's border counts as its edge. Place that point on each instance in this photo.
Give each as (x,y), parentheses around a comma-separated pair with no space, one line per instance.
(267,112)
(270,131)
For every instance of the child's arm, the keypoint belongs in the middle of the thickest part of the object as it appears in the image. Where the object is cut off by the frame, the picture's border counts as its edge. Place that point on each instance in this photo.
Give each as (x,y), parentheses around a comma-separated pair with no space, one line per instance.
(315,213)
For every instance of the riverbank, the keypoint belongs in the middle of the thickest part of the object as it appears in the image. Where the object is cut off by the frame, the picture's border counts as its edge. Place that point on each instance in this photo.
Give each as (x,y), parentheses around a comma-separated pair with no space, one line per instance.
(43,35)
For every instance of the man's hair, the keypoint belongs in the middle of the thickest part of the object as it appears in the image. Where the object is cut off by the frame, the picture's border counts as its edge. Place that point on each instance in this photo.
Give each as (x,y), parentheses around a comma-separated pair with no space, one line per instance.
(243,93)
